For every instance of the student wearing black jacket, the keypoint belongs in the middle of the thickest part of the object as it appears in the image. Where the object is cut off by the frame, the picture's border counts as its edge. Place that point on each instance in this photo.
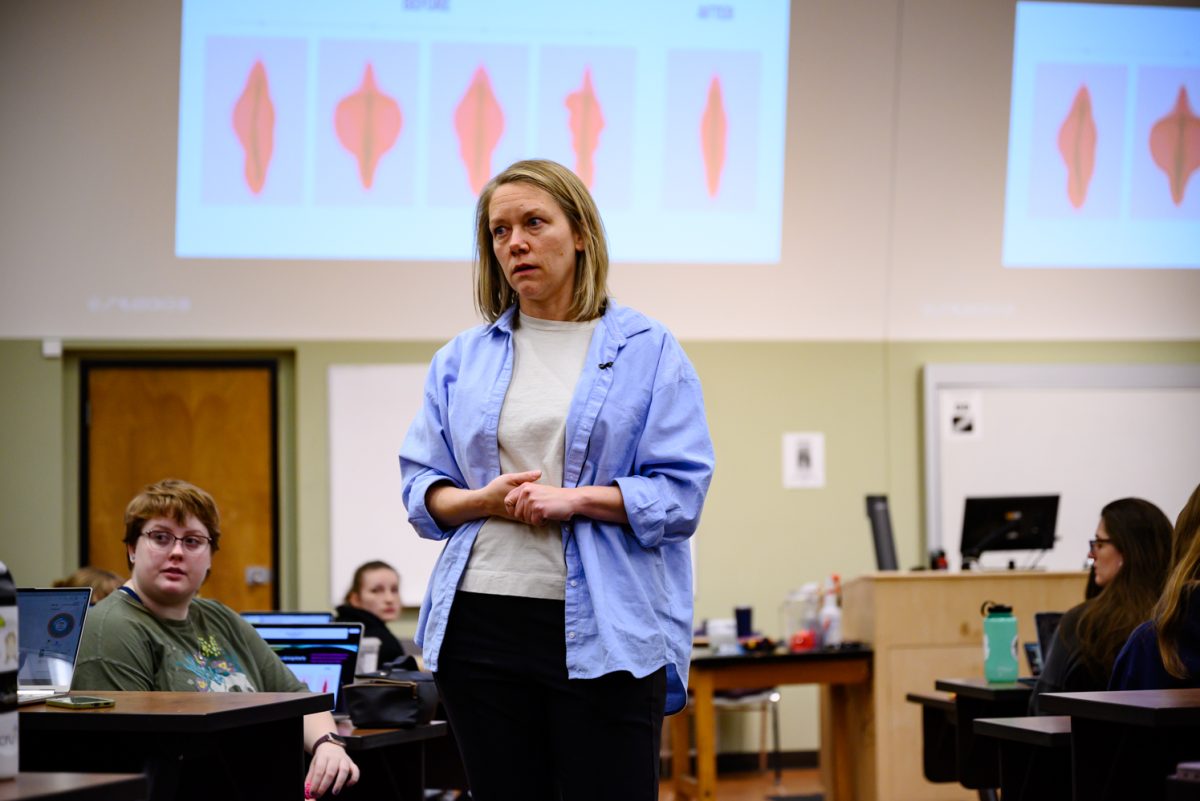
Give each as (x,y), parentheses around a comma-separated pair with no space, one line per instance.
(374,600)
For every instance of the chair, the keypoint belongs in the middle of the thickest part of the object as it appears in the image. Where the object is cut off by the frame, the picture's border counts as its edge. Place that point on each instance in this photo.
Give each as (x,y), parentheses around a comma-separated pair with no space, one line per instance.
(759,700)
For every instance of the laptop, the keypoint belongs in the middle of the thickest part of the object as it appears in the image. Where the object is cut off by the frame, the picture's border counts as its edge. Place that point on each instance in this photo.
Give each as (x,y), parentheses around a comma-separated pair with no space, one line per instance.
(50,626)
(1045,623)
(288,618)
(322,655)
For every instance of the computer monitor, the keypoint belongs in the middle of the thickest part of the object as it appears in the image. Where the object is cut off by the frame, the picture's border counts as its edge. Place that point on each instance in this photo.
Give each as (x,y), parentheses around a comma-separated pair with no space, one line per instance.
(1023,523)
(881,533)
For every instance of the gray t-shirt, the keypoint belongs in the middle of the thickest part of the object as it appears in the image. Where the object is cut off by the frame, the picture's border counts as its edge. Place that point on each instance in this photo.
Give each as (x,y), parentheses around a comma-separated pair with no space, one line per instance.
(126,647)
(511,558)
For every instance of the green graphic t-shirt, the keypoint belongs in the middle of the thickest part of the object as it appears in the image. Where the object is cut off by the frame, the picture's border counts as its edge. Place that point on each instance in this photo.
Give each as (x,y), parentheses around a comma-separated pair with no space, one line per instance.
(125,647)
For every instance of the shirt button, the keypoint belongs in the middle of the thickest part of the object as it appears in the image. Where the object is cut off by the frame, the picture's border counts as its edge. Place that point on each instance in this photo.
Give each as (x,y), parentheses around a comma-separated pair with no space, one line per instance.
(574,583)
(570,635)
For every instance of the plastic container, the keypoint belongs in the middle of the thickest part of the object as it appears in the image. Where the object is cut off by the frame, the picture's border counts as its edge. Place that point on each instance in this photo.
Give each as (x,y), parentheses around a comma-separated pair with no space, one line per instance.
(999,642)
(368,655)
(9,664)
(801,613)
(791,615)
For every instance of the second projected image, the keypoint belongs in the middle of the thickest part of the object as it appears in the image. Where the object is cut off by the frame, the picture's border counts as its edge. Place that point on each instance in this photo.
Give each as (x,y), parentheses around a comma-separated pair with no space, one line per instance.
(1103,153)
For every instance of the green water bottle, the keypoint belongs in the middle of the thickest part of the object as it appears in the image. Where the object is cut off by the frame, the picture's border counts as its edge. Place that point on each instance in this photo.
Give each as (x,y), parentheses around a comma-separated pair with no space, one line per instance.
(999,642)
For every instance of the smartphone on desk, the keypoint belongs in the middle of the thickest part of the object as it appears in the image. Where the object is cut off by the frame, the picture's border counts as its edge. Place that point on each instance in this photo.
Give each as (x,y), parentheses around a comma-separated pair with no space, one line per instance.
(81,702)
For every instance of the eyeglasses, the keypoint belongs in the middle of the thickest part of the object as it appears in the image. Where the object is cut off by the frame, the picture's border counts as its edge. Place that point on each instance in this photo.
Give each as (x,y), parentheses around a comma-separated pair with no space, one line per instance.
(165,541)
(1094,545)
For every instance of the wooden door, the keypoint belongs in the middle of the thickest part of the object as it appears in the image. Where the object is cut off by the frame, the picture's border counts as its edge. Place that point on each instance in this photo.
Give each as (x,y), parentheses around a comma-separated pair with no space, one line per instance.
(212,424)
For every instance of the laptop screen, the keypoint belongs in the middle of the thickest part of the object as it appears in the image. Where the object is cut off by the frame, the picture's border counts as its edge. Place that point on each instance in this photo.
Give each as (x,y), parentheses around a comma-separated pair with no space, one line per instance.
(321,656)
(288,618)
(1046,624)
(50,626)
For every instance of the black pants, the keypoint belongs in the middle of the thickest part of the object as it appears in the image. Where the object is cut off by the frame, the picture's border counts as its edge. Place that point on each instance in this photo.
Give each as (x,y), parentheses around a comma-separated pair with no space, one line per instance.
(526,731)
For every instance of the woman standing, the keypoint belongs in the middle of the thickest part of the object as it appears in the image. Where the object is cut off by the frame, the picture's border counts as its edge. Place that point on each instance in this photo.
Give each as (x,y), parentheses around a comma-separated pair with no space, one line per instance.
(563,455)
(1131,553)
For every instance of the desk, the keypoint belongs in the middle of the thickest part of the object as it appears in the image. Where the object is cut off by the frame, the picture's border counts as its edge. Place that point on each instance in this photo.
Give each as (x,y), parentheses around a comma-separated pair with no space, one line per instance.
(74,787)
(939,735)
(1125,744)
(978,758)
(836,670)
(1035,756)
(391,761)
(190,745)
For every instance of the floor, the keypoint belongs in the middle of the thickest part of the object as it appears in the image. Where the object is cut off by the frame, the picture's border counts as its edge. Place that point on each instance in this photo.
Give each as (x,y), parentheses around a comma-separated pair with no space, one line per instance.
(758,786)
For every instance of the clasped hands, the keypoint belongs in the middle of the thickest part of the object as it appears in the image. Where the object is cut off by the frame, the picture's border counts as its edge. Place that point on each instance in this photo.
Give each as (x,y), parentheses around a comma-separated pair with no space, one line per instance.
(519,497)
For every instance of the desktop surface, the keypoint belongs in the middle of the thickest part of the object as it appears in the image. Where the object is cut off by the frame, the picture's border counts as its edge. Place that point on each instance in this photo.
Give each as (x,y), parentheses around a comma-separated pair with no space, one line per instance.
(175,711)
(1134,707)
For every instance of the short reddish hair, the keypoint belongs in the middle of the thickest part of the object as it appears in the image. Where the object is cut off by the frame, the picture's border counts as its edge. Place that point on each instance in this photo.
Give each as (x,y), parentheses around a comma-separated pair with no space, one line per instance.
(174,499)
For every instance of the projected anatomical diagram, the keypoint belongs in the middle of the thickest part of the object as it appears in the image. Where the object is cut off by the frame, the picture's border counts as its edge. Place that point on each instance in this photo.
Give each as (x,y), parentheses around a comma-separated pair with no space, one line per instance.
(479,123)
(1077,145)
(713,124)
(254,124)
(587,121)
(368,122)
(1175,145)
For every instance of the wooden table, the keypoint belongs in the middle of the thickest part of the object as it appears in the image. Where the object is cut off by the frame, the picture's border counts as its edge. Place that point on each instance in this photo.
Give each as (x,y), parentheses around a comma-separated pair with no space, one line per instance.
(391,761)
(190,745)
(835,670)
(59,786)
(978,758)
(1125,744)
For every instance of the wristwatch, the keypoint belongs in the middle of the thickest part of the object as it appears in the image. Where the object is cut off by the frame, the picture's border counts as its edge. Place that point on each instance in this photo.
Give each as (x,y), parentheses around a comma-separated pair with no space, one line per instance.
(329,737)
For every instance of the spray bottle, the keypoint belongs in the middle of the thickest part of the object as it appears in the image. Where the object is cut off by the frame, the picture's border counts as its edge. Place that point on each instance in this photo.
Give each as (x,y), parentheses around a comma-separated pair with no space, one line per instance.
(831,614)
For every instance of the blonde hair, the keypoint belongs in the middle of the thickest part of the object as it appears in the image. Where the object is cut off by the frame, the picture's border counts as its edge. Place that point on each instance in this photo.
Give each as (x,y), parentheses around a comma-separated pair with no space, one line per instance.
(1183,581)
(493,295)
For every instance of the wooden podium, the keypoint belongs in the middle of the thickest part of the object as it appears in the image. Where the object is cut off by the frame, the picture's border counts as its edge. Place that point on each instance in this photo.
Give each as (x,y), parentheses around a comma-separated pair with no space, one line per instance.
(924,626)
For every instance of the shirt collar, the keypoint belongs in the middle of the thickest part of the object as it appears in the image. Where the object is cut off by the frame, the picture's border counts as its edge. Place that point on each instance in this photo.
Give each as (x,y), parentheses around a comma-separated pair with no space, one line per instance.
(622,322)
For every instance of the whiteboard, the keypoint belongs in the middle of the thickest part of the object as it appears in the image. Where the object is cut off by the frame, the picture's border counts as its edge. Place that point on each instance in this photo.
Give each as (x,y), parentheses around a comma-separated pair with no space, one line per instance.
(370,409)
(1088,433)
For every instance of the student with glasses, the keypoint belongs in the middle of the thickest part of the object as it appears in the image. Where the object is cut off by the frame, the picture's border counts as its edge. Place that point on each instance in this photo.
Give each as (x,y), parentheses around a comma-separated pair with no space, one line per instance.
(1164,652)
(155,633)
(1131,552)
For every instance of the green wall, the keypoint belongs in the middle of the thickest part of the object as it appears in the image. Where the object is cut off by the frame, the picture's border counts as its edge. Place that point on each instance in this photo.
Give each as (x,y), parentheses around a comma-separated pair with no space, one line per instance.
(756,542)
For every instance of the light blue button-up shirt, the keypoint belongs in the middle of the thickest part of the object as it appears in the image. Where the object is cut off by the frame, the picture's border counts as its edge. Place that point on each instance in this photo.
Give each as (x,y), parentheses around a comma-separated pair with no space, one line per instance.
(637,420)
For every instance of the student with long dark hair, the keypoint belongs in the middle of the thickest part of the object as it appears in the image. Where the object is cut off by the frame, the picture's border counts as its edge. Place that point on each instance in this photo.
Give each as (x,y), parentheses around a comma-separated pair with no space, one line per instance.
(1164,652)
(1131,552)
